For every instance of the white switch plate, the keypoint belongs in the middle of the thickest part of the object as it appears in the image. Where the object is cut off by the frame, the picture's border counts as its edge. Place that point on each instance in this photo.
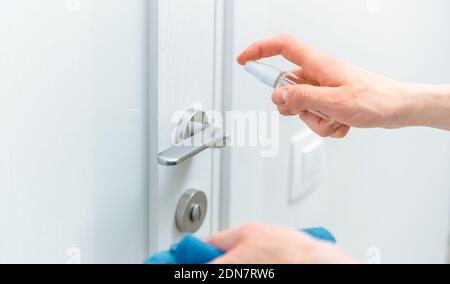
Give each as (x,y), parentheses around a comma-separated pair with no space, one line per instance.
(307,162)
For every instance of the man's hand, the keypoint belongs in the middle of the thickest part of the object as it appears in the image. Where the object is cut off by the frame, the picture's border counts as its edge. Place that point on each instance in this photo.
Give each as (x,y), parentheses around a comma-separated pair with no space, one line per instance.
(350,95)
(262,244)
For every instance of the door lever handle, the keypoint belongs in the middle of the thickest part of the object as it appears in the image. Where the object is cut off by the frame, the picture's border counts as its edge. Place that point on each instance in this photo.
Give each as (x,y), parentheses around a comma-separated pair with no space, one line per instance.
(195,135)
(211,137)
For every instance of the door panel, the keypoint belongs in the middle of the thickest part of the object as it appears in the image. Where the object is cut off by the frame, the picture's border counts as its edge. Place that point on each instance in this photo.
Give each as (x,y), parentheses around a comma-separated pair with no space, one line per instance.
(73,124)
(184,78)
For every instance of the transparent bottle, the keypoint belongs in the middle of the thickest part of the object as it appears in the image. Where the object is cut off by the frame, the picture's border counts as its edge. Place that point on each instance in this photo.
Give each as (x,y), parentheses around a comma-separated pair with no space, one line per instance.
(275,78)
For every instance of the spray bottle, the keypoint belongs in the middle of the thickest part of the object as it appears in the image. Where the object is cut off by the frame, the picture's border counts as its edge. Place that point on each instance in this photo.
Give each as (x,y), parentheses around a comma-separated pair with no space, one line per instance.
(275,78)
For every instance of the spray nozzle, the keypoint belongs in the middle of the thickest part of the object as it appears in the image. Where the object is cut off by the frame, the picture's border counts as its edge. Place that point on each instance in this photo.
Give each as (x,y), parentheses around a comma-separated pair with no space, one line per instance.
(267,74)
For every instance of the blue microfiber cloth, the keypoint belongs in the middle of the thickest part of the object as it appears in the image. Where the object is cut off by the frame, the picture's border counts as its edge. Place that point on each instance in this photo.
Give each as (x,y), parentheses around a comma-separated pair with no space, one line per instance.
(193,251)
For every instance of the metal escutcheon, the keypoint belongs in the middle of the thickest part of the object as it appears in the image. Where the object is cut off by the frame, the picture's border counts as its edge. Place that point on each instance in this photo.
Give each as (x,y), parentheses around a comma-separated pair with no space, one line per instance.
(191,211)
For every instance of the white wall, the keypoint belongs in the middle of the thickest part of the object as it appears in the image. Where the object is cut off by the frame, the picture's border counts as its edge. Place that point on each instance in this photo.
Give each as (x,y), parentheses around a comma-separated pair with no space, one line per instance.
(388,189)
(73,131)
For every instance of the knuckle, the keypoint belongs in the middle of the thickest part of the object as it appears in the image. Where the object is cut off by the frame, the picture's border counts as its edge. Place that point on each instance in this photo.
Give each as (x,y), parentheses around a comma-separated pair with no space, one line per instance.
(285,37)
(254,45)
(345,100)
(316,56)
(300,94)
(324,132)
(342,134)
(254,48)
(247,231)
(316,59)
(339,136)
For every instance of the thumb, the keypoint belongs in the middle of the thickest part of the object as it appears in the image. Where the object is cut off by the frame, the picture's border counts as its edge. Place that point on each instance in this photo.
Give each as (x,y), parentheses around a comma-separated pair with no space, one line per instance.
(225,241)
(304,97)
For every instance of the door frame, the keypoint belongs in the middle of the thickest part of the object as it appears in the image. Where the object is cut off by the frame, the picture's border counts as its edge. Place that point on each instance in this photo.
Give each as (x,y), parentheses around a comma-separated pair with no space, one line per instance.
(152,95)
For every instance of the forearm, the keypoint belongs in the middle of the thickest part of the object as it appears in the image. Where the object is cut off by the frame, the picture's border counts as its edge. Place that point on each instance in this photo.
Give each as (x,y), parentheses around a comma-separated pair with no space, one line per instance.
(427,105)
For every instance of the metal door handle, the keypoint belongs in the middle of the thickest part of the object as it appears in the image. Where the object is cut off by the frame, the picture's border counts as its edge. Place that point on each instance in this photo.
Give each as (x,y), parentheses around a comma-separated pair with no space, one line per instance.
(194,135)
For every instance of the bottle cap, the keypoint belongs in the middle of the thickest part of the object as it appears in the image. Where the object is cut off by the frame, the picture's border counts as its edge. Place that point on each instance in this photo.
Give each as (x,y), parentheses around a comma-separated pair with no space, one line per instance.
(267,74)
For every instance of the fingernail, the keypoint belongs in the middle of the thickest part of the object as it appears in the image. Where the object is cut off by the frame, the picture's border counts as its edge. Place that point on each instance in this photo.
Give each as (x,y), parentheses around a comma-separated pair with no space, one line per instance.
(284,95)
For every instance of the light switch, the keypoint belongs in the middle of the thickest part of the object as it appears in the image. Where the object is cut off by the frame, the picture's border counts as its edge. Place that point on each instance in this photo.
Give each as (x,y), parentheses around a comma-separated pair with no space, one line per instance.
(307,161)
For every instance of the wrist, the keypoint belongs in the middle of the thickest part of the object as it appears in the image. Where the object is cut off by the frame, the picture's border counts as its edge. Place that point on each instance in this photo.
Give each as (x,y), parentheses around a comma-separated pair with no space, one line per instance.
(425,105)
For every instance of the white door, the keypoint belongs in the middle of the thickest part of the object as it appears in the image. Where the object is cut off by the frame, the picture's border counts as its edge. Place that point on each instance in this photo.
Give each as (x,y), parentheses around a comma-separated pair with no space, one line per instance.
(185,73)
(73,124)
(87,92)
